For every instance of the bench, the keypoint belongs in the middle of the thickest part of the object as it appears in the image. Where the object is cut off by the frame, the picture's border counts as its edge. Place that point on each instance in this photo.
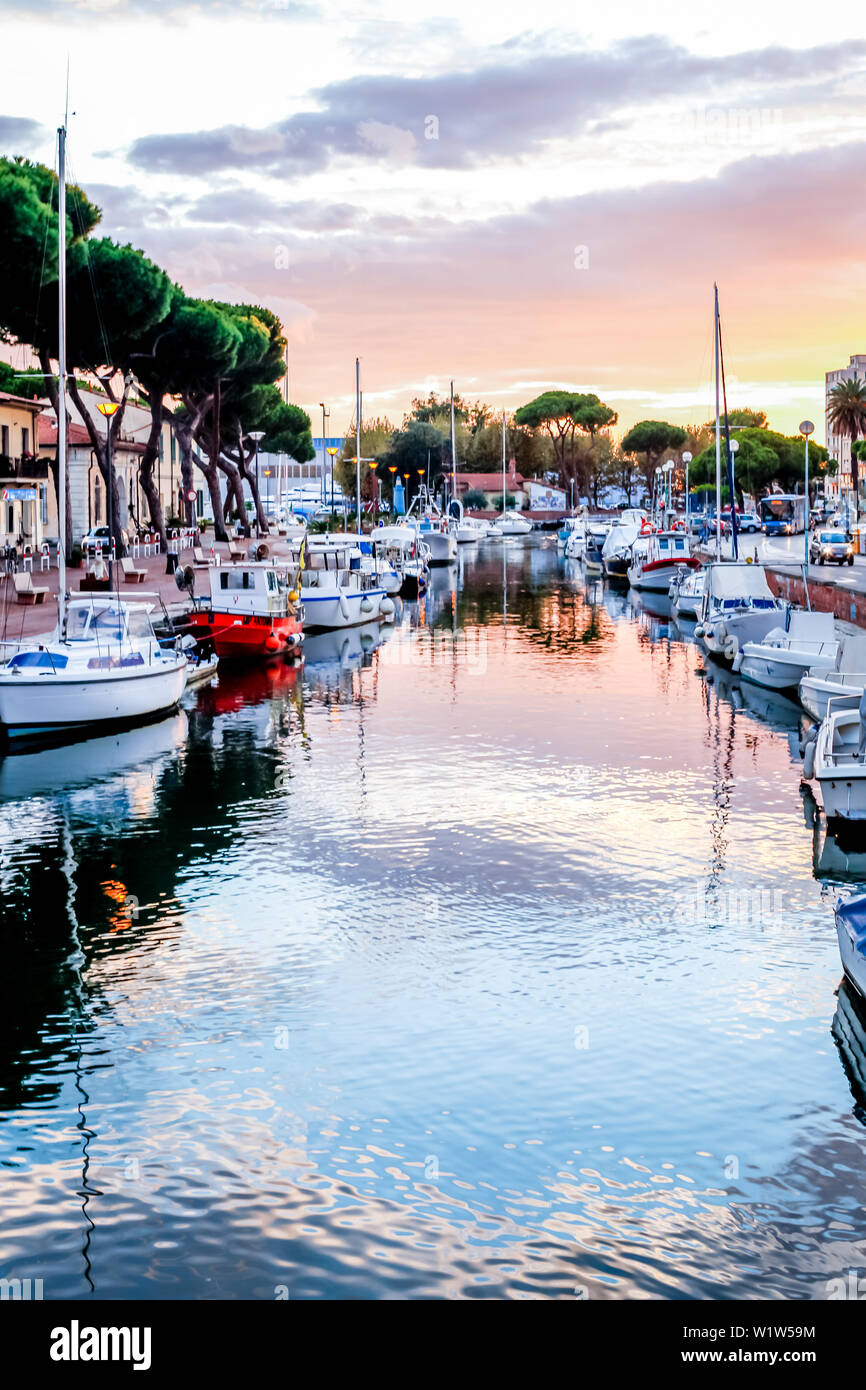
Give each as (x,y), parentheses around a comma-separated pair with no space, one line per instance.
(25,589)
(130,573)
(236,552)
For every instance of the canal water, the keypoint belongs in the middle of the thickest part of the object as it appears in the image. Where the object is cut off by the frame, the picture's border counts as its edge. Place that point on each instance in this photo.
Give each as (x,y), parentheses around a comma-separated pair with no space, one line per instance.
(492,959)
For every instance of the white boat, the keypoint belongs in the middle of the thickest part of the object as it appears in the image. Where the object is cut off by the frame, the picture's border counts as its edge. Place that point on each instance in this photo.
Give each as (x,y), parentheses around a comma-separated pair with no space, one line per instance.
(835,762)
(104,664)
(373,561)
(738,606)
(432,528)
(409,556)
(808,643)
(569,525)
(593,546)
(687,592)
(851,933)
(334,591)
(848,680)
(465,529)
(511,523)
(575,544)
(653,565)
(616,552)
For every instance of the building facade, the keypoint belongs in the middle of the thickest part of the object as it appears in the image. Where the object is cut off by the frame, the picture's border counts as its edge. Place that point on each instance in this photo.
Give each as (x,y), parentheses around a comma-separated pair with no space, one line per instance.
(839,445)
(26,492)
(89,503)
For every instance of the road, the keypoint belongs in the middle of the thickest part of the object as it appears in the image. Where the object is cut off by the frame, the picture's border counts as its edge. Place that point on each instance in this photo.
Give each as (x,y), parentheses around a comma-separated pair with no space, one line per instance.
(790,550)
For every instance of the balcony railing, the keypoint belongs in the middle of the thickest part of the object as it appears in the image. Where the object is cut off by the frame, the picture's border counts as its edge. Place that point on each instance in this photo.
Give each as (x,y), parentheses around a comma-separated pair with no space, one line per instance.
(25,468)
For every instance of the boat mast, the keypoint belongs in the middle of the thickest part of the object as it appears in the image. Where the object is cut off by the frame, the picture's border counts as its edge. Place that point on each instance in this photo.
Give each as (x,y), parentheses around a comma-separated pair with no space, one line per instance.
(61,382)
(503,461)
(718,433)
(358,443)
(453,450)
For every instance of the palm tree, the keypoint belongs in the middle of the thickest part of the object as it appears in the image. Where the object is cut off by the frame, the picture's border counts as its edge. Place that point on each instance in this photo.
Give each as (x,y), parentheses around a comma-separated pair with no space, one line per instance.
(846,413)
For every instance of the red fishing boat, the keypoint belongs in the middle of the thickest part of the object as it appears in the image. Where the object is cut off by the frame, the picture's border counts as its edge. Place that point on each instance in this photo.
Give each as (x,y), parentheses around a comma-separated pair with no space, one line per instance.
(253,613)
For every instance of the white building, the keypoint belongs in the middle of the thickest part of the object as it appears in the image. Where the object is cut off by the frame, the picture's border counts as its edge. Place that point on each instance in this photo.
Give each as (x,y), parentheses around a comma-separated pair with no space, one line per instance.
(839,445)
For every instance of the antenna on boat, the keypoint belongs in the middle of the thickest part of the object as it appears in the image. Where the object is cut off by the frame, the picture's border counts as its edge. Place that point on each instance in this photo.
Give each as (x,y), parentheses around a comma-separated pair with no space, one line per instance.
(453,451)
(61,373)
(358,444)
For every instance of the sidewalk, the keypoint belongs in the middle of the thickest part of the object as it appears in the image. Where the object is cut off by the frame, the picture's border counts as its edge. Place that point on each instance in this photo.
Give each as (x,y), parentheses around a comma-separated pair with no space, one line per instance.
(31,620)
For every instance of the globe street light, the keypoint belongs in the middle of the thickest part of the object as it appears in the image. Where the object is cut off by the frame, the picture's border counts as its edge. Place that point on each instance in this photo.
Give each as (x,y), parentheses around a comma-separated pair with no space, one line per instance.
(807,428)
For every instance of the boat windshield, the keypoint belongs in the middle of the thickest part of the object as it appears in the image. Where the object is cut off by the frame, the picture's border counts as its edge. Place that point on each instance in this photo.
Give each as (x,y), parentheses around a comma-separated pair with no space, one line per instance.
(86,623)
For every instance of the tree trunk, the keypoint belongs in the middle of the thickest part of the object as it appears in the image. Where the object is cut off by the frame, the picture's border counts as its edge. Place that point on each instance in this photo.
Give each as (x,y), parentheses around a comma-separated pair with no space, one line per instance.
(148,485)
(98,445)
(53,392)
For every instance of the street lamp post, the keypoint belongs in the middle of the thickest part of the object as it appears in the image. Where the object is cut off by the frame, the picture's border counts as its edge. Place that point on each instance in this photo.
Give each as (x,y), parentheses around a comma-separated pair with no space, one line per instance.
(108,409)
(256,435)
(807,428)
(323,495)
(734,547)
(333,453)
(687,458)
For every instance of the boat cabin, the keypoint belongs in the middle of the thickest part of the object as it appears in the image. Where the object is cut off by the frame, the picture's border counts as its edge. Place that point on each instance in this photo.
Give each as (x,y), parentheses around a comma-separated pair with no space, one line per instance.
(252,588)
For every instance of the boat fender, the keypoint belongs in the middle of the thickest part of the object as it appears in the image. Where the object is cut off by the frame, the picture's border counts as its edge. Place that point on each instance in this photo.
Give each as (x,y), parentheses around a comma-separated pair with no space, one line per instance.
(699,630)
(732,647)
(386,607)
(810,736)
(809,760)
(738,659)
(344,606)
(366,605)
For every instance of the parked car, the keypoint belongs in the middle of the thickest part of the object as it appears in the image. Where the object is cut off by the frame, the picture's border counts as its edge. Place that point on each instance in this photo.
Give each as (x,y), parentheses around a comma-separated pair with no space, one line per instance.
(831,547)
(100,536)
(748,521)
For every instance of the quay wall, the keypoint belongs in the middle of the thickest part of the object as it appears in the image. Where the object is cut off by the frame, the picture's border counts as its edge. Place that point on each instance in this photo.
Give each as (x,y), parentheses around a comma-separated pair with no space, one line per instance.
(826,597)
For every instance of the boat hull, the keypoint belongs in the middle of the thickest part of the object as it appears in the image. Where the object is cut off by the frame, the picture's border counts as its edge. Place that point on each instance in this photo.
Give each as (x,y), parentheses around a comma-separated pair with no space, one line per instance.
(343,608)
(816,692)
(443,547)
(249,636)
(657,577)
(53,702)
(771,672)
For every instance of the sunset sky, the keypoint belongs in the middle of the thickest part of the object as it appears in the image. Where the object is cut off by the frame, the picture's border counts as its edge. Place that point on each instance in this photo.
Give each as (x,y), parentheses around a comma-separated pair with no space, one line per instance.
(516,198)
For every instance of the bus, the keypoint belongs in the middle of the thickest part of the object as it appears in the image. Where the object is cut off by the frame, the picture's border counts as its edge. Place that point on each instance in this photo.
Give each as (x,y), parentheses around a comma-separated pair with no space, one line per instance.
(783,514)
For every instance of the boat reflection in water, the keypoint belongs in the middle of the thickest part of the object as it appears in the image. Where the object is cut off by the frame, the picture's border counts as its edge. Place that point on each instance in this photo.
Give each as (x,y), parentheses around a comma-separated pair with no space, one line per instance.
(47,772)
(240,686)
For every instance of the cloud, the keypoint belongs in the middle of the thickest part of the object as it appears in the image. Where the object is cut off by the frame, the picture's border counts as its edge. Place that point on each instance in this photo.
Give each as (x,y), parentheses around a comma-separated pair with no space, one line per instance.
(19,133)
(181,11)
(509,107)
(423,295)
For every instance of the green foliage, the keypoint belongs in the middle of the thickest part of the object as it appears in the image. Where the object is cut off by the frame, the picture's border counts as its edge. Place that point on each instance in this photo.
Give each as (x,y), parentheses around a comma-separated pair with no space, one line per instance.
(473,497)
(764,457)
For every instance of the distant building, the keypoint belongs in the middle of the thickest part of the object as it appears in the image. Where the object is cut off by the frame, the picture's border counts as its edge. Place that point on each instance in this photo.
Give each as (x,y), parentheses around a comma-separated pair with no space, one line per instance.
(491,485)
(839,445)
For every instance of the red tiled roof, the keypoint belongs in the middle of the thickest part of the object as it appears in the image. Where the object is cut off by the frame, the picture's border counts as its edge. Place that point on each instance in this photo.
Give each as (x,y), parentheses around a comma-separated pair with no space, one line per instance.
(77,434)
(489,482)
(21,400)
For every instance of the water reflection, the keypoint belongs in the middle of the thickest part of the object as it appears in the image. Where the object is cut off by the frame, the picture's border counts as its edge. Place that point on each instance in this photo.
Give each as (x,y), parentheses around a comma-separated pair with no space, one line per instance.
(415,971)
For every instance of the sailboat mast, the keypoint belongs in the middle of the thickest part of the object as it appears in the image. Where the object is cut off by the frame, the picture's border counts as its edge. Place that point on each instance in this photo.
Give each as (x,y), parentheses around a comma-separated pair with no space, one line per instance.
(358,443)
(61,383)
(453,450)
(718,432)
(503,463)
